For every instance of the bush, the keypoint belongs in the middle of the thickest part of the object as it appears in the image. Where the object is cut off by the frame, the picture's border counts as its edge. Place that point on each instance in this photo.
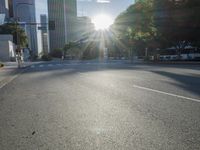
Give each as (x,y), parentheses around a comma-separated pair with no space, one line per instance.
(33,57)
(46,57)
(57,53)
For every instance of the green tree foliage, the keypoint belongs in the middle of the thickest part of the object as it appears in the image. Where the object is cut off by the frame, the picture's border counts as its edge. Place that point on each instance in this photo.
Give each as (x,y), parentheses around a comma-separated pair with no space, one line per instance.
(178,22)
(73,50)
(68,46)
(17,32)
(193,20)
(160,24)
(136,25)
(56,53)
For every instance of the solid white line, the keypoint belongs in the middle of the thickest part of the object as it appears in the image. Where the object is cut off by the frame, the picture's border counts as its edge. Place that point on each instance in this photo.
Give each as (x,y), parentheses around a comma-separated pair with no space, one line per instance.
(8,80)
(166,93)
(41,66)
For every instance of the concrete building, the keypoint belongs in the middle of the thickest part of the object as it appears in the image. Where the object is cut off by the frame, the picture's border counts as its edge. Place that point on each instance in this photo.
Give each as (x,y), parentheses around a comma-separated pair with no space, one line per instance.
(4,8)
(84,27)
(7,48)
(24,11)
(63,13)
(44,34)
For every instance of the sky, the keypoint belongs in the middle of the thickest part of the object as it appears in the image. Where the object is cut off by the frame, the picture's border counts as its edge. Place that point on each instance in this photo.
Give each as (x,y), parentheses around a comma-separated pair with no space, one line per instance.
(91,8)
(41,8)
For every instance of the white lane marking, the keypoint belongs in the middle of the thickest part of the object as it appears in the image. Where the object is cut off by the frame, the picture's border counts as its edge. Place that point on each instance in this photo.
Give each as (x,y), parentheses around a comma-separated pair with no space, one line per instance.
(41,66)
(33,66)
(166,93)
(8,80)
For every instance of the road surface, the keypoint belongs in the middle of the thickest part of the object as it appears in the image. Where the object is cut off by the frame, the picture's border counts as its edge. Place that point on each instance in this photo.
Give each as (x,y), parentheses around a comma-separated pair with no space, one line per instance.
(99,106)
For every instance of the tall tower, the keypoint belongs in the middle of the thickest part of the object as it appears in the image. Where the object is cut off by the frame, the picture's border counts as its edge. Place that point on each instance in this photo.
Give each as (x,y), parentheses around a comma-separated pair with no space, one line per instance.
(24,11)
(44,34)
(4,7)
(63,13)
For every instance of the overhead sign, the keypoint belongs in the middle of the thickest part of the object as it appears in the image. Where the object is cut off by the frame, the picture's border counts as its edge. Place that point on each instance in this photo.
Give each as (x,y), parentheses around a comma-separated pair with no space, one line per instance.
(2,18)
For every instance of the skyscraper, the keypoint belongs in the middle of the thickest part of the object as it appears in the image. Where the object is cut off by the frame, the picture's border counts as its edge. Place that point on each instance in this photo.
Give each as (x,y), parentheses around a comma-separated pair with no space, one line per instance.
(44,34)
(24,11)
(63,13)
(4,7)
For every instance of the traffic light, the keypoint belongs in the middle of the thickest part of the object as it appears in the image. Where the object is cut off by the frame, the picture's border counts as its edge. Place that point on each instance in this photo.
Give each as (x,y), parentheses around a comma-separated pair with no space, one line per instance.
(52,25)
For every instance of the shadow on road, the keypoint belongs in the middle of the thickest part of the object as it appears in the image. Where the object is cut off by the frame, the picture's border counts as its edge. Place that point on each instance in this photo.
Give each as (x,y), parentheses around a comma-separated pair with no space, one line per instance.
(187,82)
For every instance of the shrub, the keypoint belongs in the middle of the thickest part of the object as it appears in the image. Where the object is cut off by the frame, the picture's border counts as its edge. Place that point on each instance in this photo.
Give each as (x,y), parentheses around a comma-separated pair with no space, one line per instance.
(57,53)
(33,57)
(46,57)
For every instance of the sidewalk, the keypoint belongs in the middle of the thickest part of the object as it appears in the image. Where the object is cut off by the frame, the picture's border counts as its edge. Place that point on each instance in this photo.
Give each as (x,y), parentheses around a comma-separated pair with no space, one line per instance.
(10,71)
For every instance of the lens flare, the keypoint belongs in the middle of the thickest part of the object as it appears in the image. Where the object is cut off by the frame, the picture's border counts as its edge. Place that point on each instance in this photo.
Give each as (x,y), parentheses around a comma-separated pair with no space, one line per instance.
(102,22)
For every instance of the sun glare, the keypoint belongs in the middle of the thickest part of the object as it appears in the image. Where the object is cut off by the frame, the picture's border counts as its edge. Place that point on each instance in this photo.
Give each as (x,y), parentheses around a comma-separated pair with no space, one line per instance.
(102,22)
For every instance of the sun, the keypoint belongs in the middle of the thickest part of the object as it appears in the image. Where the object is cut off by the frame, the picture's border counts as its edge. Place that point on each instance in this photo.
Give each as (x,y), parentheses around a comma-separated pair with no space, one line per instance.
(102,22)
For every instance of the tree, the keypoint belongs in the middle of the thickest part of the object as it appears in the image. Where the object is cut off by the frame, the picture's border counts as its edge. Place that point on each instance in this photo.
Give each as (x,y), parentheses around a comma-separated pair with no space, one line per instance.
(68,46)
(193,20)
(19,36)
(136,25)
(178,22)
(72,48)
(161,24)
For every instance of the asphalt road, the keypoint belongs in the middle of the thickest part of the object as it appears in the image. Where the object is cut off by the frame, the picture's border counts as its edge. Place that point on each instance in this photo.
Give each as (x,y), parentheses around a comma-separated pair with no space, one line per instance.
(91,106)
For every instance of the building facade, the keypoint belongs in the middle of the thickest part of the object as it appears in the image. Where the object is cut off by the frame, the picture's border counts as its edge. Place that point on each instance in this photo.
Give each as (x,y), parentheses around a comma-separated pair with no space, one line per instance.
(7,47)
(24,11)
(84,28)
(4,9)
(63,13)
(44,34)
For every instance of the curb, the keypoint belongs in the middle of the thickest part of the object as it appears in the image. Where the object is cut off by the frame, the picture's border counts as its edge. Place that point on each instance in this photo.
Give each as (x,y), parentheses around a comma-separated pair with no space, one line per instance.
(177,63)
(11,76)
